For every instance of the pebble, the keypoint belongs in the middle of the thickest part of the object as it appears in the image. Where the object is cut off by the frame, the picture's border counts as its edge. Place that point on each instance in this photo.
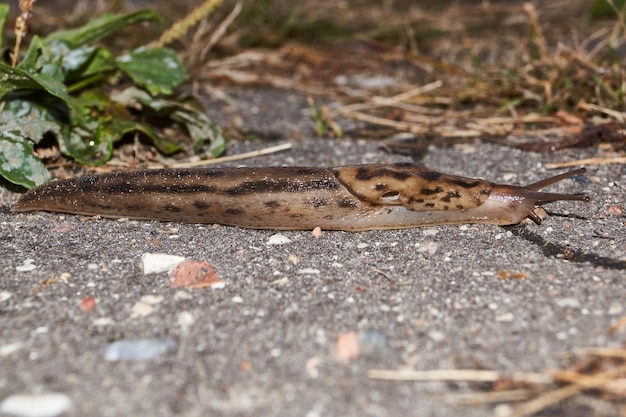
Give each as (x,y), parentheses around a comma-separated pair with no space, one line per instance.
(308,271)
(373,341)
(5,295)
(27,265)
(505,318)
(185,320)
(429,247)
(103,321)
(138,349)
(141,309)
(37,405)
(567,302)
(436,335)
(181,295)
(152,299)
(154,263)
(10,348)
(615,309)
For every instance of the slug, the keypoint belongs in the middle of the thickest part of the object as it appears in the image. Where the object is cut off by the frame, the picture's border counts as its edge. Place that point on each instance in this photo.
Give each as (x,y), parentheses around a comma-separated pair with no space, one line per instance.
(351,198)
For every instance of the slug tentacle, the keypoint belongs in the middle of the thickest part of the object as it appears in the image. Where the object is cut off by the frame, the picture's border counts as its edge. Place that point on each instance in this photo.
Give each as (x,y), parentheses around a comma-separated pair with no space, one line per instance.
(363,197)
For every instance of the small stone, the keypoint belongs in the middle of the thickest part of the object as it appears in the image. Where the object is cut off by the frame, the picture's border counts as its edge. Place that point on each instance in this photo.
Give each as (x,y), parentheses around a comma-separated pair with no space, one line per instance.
(219,285)
(278,239)
(154,263)
(309,271)
(87,304)
(280,281)
(436,335)
(181,295)
(152,299)
(141,309)
(429,247)
(185,320)
(36,405)
(347,347)
(567,302)
(5,295)
(614,309)
(103,321)
(293,259)
(193,274)
(505,318)
(27,265)
(373,341)
(10,348)
(138,349)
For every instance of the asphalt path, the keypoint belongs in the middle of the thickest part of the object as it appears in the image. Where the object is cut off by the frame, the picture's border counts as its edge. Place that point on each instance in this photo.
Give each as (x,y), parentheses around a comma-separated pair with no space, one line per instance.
(292,329)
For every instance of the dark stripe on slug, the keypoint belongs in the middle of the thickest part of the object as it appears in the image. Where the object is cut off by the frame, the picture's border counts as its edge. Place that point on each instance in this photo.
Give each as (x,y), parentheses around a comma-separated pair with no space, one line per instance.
(126,188)
(172,209)
(308,171)
(276,186)
(234,211)
(200,205)
(365,173)
(103,206)
(466,183)
(181,173)
(430,175)
(271,204)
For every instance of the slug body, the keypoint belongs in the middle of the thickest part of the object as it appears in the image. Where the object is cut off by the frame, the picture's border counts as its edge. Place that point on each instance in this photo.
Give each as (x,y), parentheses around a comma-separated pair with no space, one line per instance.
(351,198)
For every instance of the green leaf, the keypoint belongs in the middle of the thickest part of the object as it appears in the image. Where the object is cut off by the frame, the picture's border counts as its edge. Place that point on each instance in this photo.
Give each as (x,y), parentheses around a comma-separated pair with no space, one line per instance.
(32,118)
(4,12)
(100,60)
(193,119)
(158,70)
(122,127)
(101,27)
(18,164)
(201,129)
(88,143)
(12,79)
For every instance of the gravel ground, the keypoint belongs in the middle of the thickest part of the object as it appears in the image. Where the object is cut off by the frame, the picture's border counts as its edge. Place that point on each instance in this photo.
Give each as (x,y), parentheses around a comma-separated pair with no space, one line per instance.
(268,341)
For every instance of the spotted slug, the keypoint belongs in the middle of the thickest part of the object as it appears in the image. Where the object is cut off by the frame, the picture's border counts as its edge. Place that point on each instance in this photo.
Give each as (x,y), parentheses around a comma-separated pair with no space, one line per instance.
(351,198)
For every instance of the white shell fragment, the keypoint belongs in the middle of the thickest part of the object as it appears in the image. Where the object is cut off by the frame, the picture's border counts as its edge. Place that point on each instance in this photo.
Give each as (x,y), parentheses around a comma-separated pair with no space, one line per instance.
(154,263)
(278,239)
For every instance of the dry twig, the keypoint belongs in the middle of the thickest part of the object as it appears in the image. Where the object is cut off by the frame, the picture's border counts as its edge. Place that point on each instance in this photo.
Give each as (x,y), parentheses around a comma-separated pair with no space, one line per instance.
(237,157)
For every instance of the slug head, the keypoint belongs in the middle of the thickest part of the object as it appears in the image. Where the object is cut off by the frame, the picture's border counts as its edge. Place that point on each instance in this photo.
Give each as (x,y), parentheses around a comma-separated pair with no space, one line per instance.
(413,186)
